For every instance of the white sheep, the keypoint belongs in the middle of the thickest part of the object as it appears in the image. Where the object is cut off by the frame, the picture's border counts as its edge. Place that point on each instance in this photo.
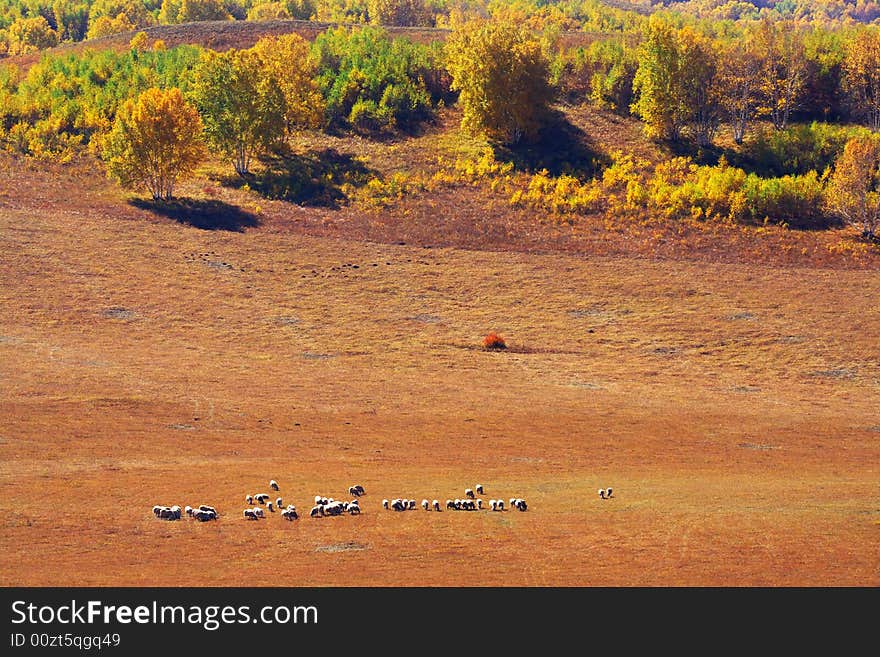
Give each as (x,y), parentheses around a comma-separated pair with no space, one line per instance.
(249,514)
(425,504)
(249,499)
(203,516)
(277,502)
(518,503)
(436,505)
(205,507)
(399,505)
(317,511)
(271,507)
(259,512)
(493,504)
(412,504)
(289,514)
(602,493)
(354,509)
(384,504)
(188,510)
(356,490)
(480,503)
(479,488)
(273,484)
(261,498)
(608,492)
(450,504)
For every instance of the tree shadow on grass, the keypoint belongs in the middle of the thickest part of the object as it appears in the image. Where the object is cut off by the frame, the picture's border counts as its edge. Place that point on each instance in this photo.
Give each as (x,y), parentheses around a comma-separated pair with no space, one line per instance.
(207,214)
(312,179)
(561,148)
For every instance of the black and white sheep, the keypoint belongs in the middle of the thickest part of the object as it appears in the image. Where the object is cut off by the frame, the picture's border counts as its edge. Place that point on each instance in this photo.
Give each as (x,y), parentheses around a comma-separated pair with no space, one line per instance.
(602,493)
(317,511)
(436,505)
(250,515)
(469,493)
(273,484)
(356,490)
(289,513)
(203,516)
(479,489)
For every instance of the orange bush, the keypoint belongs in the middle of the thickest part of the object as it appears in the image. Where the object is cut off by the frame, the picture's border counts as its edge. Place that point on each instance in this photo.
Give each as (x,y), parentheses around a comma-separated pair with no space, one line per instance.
(494,341)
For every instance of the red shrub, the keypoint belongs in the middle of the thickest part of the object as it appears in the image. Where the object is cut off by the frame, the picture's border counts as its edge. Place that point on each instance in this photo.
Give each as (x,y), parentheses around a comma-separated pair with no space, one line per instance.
(494,341)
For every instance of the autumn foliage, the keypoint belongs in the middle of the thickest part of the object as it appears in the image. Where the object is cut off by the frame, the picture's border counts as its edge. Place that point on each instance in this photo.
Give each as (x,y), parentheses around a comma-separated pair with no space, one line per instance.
(155,141)
(493,341)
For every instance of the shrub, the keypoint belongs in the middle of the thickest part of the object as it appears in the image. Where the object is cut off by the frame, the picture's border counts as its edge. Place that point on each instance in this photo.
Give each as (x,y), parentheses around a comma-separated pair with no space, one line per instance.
(494,342)
(371,81)
(797,150)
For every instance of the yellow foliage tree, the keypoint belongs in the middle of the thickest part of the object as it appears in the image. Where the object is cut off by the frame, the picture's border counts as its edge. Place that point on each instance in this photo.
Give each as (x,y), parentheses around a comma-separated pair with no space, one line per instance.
(105,26)
(783,71)
(288,61)
(739,65)
(503,78)
(30,34)
(154,141)
(268,11)
(861,75)
(397,12)
(188,11)
(853,191)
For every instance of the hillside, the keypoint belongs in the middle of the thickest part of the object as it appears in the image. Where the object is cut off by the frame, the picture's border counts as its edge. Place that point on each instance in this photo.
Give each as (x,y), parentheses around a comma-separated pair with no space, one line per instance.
(222,35)
(319,320)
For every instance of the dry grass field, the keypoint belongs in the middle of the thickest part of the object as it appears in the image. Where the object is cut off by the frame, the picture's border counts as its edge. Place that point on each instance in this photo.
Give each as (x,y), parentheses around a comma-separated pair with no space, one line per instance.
(727,390)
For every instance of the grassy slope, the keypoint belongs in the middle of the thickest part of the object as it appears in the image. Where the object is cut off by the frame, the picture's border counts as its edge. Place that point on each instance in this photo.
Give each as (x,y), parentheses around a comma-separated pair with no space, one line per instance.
(725,384)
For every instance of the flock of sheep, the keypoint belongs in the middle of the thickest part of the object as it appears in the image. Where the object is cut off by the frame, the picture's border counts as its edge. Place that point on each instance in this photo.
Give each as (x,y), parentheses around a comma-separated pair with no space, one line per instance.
(327,506)
(470,502)
(202,513)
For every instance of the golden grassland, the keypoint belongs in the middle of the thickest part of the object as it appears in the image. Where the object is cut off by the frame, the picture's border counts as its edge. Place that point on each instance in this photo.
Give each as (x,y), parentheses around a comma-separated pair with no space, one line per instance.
(725,386)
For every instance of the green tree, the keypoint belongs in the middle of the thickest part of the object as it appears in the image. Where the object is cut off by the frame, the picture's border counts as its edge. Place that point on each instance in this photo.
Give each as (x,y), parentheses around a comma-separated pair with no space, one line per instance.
(503,79)
(660,100)
(243,109)
(154,142)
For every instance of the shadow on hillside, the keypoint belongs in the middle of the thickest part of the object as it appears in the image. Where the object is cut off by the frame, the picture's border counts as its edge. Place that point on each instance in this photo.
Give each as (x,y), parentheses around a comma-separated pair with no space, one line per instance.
(562,148)
(313,179)
(208,214)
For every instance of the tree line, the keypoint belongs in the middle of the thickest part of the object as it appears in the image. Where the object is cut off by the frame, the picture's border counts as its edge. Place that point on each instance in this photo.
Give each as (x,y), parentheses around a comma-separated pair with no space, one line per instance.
(682,82)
